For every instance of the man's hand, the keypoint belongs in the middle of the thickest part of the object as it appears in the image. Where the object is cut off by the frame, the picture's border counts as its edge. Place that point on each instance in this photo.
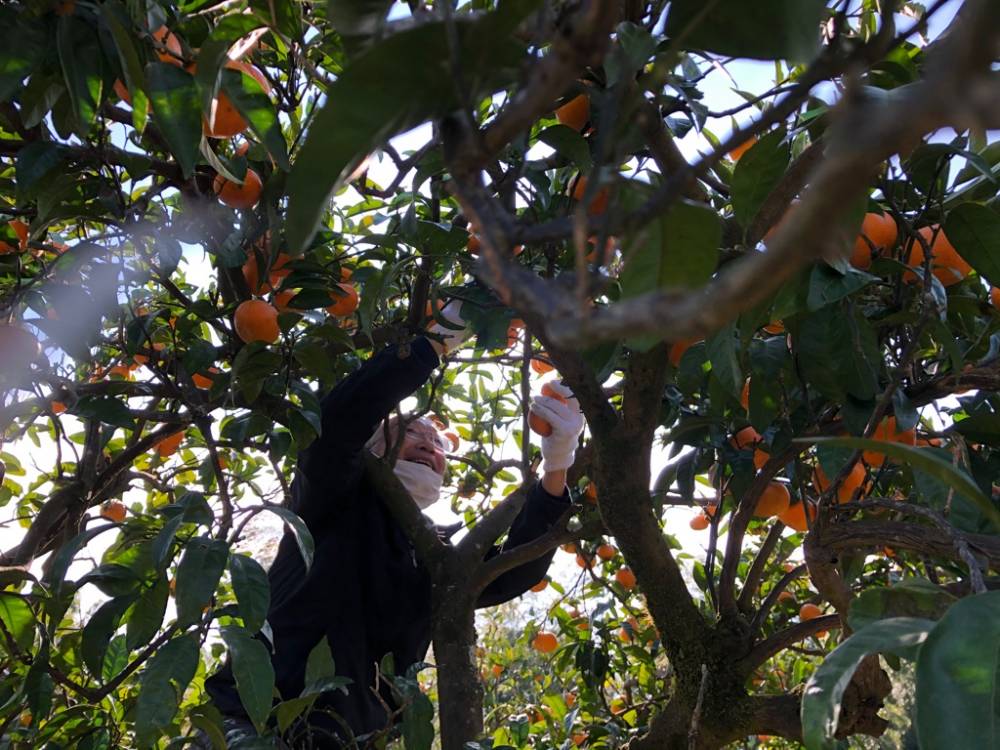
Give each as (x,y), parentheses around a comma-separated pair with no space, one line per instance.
(559,447)
(450,338)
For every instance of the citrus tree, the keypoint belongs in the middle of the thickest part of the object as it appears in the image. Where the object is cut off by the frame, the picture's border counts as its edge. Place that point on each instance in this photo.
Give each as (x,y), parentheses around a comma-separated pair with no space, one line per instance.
(802,313)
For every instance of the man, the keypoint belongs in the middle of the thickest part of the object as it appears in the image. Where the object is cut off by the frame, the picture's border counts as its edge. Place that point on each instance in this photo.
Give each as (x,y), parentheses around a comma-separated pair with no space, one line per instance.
(365,592)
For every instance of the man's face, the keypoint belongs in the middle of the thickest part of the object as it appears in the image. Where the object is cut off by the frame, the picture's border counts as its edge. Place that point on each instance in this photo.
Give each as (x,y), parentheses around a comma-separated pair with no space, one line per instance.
(423,445)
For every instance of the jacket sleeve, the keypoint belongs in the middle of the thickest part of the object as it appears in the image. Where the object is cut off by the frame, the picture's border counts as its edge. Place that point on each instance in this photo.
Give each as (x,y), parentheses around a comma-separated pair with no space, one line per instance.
(540,511)
(330,468)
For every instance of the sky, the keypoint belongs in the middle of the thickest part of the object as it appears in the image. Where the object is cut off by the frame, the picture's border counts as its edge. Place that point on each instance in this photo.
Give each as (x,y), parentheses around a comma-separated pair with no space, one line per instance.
(719,87)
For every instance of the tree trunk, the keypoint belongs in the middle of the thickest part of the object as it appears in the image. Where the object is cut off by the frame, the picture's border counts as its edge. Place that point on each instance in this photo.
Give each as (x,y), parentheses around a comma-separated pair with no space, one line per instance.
(460,689)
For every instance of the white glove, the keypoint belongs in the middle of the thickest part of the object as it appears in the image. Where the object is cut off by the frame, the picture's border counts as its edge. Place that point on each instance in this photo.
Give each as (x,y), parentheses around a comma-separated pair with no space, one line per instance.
(559,448)
(450,337)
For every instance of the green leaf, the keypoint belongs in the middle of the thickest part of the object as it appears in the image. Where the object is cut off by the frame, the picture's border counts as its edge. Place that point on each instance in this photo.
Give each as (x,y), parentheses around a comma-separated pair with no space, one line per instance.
(38,685)
(418,716)
(288,711)
(925,461)
(254,104)
(253,593)
(55,576)
(320,667)
(162,685)
(212,54)
(98,631)
(911,597)
(722,353)
(198,576)
(252,366)
(80,57)
(24,42)
(821,701)
(357,17)
(757,172)
(107,409)
(301,533)
(957,677)
(396,98)
(35,162)
(147,614)
(974,231)
(18,619)
(679,250)
(775,30)
(838,353)
(253,673)
(827,286)
(178,113)
(116,18)
(570,144)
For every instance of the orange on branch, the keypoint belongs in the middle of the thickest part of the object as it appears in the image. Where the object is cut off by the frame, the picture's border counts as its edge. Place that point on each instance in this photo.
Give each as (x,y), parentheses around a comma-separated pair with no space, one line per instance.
(598,204)
(786,596)
(760,457)
(845,491)
(256,320)
(774,327)
(745,438)
(113,511)
(535,422)
(541,367)
(946,264)
(204,382)
(171,55)
(626,578)
(343,304)
(568,547)
(880,230)
(224,119)
(58,407)
(887,432)
(773,500)
(737,152)
(590,493)
(240,196)
(252,272)
(545,642)
(795,516)
(677,349)
(606,552)
(541,585)
(584,562)
(809,611)
(575,113)
(700,522)
(168,446)
(745,395)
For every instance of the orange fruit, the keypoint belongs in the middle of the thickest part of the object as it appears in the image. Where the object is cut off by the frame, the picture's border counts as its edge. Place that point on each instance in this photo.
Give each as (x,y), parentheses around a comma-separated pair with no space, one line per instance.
(795,516)
(786,596)
(590,493)
(737,152)
(225,120)
(760,457)
(204,382)
(809,611)
(167,39)
(881,230)
(584,562)
(568,547)
(235,195)
(677,350)
(773,500)
(251,272)
(575,113)
(474,244)
(256,320)
(606,552)
(58,407)
(700,522)
(21,230)
(846,490)
(113,511)
(168,446)
(540,366)
(536,423)
(569,699)
(541,585)
(141,359)
(995,297)
(609,251)
(497,670)
(774,327)
(283,299)
(64,7)
(599,203)
(886,431)
(745,396)
(545,642)
(25,719)
(579,738)
(626,578)
(745,438)
(121,371)
(346,303)
(949,267)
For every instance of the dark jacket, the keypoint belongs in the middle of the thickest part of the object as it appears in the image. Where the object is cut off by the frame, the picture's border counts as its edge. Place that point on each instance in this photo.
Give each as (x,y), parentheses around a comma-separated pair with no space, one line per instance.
(365,590)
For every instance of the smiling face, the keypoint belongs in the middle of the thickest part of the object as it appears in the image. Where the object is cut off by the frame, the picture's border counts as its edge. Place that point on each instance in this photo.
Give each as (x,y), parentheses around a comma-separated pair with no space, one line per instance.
(423,445)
